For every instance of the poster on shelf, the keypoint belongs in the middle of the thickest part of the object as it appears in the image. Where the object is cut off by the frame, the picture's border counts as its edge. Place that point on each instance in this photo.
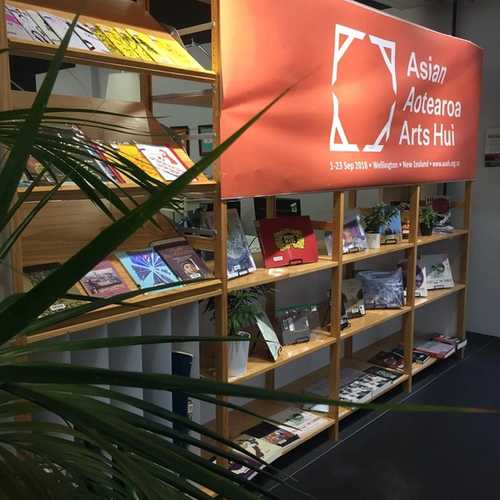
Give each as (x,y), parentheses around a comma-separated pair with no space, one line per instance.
(374,100)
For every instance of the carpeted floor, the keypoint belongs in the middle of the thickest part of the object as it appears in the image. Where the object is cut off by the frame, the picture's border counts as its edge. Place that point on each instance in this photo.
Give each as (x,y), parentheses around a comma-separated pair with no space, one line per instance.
(396,456)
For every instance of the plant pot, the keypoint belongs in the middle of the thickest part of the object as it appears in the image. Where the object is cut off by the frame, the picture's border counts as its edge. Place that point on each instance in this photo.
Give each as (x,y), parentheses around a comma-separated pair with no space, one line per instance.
(238,355)
(426,230)
(373,240)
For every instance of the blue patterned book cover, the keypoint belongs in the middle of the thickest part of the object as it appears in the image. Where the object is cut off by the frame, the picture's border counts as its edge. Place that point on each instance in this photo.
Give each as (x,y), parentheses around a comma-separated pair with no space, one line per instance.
(147,268)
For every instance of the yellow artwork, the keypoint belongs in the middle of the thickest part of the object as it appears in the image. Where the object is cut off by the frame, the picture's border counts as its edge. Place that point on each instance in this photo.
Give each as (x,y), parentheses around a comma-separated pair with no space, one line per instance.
(121,42)
(169,49)
(287,239)
(131,152)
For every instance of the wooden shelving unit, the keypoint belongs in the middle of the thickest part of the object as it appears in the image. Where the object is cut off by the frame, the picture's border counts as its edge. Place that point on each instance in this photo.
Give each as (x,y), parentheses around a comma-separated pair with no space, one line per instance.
(49,241)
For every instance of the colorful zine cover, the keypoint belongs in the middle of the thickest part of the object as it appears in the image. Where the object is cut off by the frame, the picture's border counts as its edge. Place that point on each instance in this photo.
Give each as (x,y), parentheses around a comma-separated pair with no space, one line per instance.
(147,268)
(86,32)
(15,29)
(104,281)
(182,259)
(166,162)
(132,153)
(287,240)
(353,236)
(105,40)
(33,275)
(59,26)
(28,19)
(438,271)
(239,258)
(117,40)
(352,295)
(392,233)
(171,52)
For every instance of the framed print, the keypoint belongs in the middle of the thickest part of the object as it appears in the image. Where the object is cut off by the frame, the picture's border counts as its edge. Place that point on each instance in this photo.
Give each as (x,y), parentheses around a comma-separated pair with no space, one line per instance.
(205,144)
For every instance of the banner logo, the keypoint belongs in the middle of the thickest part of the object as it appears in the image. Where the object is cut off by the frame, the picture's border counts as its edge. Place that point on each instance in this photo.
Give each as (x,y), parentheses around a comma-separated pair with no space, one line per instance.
(344,37)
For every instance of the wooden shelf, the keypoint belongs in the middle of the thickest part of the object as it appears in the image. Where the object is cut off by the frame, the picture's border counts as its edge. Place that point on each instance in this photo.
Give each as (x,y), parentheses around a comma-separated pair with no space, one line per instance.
(434,295)
(202,99)
(371,319)
(427,240)
(370,253)
(138,306)
(239,422)
(71,191)
(263,276)
(419,367)
(257,366)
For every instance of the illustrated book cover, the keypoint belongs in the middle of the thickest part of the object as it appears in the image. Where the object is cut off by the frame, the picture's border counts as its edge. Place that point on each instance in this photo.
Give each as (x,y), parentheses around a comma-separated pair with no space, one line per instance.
(353,236)
(259,447)
(388,360)
(272,433)
(435,349)
(131,153)
(392,232)
(166,162)
(352,295)
(300,422)
(438,271)
(420,278)
(147,268)
(181,258)
(33,275)
(287,241)
(104,281)
(382,289)
(14,26)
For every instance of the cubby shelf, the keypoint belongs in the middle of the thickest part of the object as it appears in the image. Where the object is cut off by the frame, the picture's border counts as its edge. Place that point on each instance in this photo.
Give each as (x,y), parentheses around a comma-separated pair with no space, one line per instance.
(138,306)
(263,276)
(427,240)
(434,295)
(350,258)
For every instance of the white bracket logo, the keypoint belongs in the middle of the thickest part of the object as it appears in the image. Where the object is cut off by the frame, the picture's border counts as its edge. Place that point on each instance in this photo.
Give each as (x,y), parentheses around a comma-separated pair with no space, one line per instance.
(388,50)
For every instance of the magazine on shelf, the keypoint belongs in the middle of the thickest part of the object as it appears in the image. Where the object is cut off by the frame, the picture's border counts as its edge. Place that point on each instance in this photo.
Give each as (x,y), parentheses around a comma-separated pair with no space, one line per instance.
(417,356)
(442,206)
(438,271)
(356,392)
(458,342)
(104,281)
(181,258)
(287,240)
(28,19)
(392,233)
(86,32)
(270,339)
(273,434)
(131,153)
(382,372)
(33,275)
(59,26)
(239,258)
(352,295)
(382,289)
(388,360)
(353,236)
(260,447)
(435,349)
(420,278)
(14,26)
(164,160)
(118,41)
(147,268)
(299,421)
(101,35)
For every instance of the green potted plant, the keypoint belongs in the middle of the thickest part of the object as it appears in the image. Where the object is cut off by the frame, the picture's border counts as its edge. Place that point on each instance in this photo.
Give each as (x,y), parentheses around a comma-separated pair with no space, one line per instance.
(375,221)
(428,219)
(244,307)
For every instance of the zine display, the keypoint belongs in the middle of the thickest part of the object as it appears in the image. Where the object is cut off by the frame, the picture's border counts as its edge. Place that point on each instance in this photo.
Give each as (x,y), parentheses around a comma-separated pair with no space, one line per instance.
(382,289)
(164,160)
(287,241)
(352,297)
(353,236)
(438,271)
(392,233)
(33,275)
(239,258)
(147,268)
(181,258)
(104,281)
(420,278)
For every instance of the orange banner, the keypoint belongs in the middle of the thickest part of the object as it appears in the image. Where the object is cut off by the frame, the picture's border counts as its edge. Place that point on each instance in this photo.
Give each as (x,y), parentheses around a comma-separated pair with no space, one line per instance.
(377,100)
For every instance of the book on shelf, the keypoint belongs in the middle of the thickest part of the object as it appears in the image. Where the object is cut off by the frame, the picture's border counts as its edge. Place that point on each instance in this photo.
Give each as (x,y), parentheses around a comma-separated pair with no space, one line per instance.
(273,434)
(438,271)
(382,372)
(299,421)
(260,447)
(442,206)
(27,20)
(86,32)
(355,392)
(392,232)
(131,153)
(353,236)
(352,295)
(420,278)
(33,275)
(147,268)
(270,339)
(14,26)
(287,241)
(417,356)
(105,40)
(388,360)
(458,342)
(181,258)
(104,281)
(119,44)
(382,289)
(164,160)
(438,350)
(36,171)
(239,258)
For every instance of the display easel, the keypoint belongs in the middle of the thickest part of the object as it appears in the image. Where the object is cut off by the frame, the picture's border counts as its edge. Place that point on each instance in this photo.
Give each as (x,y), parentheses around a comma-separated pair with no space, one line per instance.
(70,201)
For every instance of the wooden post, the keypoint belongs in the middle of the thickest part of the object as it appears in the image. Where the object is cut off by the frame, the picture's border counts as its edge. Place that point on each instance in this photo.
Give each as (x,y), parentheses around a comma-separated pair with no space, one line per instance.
(271,299)
(145,79)
(336,308)
(411,270)
(464,263)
